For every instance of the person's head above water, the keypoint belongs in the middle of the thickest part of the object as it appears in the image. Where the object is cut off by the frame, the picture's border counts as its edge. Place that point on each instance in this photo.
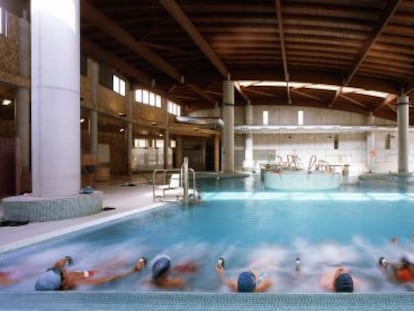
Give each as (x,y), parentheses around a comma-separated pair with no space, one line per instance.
(160,266)
(343,282)
(246,282)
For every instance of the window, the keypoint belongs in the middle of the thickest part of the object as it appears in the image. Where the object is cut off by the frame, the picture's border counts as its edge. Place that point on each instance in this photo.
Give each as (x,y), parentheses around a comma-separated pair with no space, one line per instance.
(159,143)
(152,99)
(158,101)
(300,117)
(336,142)
(173,108)
(388,142)
(118,85)
(147,98)
(140,143)
(3,22)
(138,95)
(265,117)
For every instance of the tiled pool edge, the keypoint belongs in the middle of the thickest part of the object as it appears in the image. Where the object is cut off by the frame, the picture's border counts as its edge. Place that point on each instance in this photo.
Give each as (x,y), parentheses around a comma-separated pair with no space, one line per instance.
(88,224)
(110,300)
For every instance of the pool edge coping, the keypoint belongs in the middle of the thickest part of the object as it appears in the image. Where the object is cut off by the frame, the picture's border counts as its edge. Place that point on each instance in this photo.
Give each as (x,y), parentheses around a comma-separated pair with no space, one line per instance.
(87,224)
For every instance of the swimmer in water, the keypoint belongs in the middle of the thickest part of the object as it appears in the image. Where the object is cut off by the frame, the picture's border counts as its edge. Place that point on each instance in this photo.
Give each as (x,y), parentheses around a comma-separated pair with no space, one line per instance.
(162,269)
(247,281)
(58,278)
(402,271)
(6,279)
(339,280)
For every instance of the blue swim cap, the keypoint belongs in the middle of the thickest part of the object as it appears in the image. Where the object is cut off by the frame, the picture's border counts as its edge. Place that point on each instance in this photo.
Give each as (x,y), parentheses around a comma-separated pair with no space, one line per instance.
(49,280)
(344,284)
(161,265)
(246,282)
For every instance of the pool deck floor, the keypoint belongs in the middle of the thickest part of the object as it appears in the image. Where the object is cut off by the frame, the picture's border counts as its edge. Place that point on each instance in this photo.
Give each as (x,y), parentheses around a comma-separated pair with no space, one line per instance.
(116,193)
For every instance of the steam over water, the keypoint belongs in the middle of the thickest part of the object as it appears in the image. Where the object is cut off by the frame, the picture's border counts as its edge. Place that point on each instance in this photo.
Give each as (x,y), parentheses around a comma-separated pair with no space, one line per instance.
(251,228)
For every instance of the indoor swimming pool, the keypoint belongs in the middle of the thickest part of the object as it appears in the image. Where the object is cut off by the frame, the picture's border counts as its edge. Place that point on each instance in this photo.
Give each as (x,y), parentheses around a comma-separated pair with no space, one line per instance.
(250,227)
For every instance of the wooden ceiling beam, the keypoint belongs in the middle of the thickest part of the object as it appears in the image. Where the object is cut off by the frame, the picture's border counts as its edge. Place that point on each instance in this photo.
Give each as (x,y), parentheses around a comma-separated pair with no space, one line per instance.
(182,19)
(112,29)
(278,8)
(388,13)
(386,101)
(355,102)
(100,54)
(202,93)
(318,99)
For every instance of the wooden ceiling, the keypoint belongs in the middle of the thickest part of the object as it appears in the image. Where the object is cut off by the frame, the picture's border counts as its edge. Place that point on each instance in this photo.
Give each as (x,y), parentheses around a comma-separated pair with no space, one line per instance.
(187,48)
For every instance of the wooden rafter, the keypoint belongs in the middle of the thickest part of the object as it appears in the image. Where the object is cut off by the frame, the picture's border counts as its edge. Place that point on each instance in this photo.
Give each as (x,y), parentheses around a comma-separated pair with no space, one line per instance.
(100,54)
(282,47)
(296,91)
(386,101)
(388,13)
(181,18)
(355,102)
(202,93)
(122,36)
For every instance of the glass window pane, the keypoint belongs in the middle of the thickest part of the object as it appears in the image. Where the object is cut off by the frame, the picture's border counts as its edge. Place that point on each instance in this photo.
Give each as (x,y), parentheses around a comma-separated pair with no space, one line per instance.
(115,83)
(145,99)
(122,87)
(138,95)
(1,21)
(265,117)
(300,117)
(158,101)
(152,99)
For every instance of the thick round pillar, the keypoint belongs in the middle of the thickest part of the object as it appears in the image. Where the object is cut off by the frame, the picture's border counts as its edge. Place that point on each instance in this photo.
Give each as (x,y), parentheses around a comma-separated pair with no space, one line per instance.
(23,95)
(55,97)
(178,152)
(216,153)
(403,121)
(371,146)
(166,148)
(248,140)
(228,131)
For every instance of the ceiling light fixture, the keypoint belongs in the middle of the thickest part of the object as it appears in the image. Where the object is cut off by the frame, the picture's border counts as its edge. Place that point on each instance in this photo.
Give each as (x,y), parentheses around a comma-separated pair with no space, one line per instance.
(6,102)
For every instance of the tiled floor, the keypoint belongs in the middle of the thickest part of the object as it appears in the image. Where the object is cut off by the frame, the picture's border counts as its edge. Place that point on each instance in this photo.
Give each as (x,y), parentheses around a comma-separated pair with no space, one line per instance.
(126,199)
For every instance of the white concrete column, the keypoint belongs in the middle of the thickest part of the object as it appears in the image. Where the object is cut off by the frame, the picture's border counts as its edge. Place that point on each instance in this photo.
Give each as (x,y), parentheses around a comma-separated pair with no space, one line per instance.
(217,153)
(93,73)
(23,95)
(203,154)
(403,121)
(228,131)
(178,152)
(248,139)
(166,137)
(93,133)
(55,98)
(371,147)
(129,128)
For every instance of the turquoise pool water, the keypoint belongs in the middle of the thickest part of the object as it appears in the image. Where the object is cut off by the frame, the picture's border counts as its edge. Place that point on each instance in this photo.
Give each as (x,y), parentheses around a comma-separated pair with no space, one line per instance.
(247,225)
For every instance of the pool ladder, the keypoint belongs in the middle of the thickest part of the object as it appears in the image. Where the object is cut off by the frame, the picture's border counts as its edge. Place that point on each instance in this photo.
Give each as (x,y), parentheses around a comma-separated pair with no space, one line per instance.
(175,184)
